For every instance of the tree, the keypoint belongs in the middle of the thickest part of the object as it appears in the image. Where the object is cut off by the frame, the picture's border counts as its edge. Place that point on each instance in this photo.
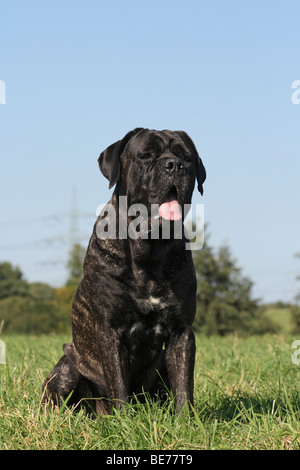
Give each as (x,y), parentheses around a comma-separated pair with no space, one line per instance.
(224,298)
(75,265)
(30,307)
(41,291)
(28,315)
(63,297)
(11,281)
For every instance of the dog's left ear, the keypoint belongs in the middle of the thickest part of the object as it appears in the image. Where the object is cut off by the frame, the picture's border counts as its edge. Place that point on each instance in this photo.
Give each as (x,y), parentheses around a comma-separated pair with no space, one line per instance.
(200,174)
(200,169)
(109,160)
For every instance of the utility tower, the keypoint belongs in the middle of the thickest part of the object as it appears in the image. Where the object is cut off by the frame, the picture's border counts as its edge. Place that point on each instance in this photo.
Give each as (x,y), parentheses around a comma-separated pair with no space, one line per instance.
(74,218)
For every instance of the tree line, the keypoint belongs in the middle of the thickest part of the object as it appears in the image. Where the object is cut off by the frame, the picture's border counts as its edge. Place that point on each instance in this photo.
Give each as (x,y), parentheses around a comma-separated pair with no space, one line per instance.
(225,302)
(38,308)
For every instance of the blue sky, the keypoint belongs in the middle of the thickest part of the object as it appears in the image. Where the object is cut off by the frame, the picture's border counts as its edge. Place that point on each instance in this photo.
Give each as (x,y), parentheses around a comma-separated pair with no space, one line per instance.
(80,75)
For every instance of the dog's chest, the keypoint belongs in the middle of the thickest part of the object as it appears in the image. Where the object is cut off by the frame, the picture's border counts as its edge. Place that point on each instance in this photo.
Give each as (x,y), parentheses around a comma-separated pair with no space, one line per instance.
(152,296)
(154,305)
(149,326)
(147,304)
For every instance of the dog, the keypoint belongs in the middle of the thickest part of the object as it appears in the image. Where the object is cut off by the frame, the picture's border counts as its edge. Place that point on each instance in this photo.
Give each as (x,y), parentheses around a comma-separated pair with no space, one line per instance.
(133,311)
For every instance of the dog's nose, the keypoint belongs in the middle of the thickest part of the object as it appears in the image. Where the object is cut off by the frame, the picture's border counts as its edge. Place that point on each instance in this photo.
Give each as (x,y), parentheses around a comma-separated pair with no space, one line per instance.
(173,164)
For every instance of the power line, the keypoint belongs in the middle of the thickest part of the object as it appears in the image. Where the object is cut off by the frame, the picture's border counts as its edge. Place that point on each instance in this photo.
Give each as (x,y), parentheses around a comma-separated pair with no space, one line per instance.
(48,218)
(42,242)
(73,215)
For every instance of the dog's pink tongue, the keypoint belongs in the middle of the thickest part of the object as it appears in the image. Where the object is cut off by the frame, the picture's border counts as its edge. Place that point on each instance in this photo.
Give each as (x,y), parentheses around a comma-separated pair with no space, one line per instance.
(170,210)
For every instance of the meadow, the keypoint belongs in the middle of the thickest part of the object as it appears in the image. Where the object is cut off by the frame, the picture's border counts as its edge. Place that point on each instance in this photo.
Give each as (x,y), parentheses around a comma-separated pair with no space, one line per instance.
(246,397)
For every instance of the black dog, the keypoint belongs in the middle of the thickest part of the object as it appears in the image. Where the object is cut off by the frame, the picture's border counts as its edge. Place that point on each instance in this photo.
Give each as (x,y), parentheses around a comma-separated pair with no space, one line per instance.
(132,314)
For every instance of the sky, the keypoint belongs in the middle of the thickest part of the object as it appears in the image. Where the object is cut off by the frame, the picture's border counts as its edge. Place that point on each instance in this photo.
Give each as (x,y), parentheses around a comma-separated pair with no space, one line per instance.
(79,75)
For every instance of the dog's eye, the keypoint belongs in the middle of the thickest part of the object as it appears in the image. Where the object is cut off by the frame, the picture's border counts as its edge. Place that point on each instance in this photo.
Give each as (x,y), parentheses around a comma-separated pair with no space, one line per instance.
(186,158)
(144,156)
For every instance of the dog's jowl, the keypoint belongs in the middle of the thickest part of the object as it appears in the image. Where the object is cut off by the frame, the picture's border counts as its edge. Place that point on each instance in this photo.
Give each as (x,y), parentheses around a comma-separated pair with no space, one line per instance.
(133,311)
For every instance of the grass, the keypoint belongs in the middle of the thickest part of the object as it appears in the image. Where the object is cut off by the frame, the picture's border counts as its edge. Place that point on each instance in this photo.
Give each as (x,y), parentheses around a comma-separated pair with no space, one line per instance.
(246,397)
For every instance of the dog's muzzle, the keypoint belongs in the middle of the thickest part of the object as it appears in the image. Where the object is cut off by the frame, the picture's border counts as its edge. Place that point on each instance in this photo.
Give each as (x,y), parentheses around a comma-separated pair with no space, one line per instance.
(174,165)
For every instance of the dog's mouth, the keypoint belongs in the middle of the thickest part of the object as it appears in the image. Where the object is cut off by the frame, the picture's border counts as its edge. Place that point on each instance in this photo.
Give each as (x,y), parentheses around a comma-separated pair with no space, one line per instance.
(170,209)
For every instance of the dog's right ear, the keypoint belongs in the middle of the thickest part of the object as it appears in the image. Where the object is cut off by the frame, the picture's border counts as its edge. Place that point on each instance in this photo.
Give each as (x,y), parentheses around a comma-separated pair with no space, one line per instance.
(109,160)
(200,169)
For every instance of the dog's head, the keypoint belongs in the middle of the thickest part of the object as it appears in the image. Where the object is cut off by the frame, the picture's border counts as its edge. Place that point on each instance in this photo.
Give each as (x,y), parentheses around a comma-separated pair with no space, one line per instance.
(154,167)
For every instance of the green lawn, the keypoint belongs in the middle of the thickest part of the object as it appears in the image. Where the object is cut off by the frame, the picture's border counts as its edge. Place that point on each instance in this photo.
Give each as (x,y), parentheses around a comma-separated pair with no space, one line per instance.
(246,397)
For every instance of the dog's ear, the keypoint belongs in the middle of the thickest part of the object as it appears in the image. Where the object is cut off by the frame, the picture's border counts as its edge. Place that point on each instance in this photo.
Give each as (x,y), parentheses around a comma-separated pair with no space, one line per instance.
(200,174)
(109,160)
(200,169)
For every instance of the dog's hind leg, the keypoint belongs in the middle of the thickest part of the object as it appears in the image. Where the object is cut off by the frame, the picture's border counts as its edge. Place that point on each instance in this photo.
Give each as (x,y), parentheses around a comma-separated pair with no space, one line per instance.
(60,382)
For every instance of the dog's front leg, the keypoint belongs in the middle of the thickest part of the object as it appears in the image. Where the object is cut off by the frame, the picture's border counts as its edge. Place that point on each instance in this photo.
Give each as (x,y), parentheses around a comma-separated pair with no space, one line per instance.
(114,367)
(180,361)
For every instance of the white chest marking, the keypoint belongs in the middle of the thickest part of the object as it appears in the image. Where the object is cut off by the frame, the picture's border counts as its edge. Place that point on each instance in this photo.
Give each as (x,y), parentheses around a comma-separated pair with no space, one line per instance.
(154,300)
